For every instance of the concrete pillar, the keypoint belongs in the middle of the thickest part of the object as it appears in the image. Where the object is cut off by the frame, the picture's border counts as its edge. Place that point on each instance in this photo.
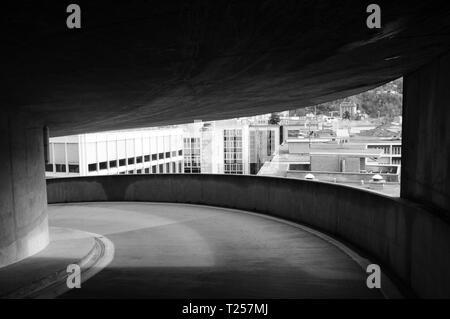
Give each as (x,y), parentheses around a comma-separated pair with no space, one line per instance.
(23,196)
(426,136)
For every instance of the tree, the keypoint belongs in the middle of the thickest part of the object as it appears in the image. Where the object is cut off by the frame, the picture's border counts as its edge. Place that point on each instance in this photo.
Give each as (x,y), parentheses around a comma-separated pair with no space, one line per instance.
(386,99)
(346,115)
(274,119)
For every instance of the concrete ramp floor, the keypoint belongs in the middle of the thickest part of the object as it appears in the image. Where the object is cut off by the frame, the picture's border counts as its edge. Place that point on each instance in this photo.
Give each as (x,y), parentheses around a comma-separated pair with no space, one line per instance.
(189,251)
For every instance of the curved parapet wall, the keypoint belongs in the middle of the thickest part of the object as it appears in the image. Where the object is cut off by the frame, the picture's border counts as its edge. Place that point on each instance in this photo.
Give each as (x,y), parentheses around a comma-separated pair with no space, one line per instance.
(403,237)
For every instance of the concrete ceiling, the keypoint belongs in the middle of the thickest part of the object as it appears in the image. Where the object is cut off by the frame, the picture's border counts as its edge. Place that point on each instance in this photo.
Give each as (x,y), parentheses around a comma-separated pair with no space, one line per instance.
(149,63)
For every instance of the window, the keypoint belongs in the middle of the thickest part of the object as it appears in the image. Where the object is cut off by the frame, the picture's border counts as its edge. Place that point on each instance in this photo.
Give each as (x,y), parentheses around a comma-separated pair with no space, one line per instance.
(102,165)
(396,150)
(154,169)
(161,155)
(74,168)
(180,152)
(139,159)
(60,168)
(122,162)
(60,153)
(232,141)
(72,153)
(167,154)
(192,159)
(112,164)
(147,170)
(174,167)
(131,161)
(130,172)
(299,167)
(139,171)
(167,167)
(385,149)
(161,168)
(154,157)
(49,167)
(270,143)
(147,158)
(92,167)
(174,153)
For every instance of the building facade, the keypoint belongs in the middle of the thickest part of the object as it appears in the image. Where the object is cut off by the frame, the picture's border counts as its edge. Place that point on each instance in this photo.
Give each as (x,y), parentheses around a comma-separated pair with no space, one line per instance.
(229,147)
(119,152)
(223,147)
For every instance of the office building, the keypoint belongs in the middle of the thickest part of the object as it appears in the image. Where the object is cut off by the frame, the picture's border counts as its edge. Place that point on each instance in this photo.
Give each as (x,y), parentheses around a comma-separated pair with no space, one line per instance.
(140,151)
(228,147)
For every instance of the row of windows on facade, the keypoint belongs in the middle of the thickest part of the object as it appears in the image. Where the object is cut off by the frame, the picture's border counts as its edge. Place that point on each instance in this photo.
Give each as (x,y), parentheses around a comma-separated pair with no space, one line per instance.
(192,155)
(396,149)
(232,141)
(232,133)
(233,169)
(154,169)
(61,168)
(74,168)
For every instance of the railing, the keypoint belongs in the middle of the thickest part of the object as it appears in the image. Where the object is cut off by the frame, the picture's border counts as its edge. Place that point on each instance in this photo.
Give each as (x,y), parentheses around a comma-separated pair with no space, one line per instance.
(404,238)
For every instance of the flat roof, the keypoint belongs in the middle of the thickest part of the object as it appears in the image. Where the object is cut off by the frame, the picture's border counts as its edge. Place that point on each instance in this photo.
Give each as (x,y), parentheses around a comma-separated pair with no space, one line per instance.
(351,152)
(307,140)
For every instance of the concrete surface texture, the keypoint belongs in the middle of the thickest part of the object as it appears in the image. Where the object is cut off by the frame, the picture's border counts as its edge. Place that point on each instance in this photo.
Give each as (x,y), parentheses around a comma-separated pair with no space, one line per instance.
(32,277)
(426,171)
(23,197)
(185,251)
(404,238)
(141,63)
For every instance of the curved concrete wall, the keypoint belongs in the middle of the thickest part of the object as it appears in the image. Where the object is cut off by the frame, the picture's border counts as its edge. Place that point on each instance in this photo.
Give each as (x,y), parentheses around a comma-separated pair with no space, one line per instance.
(401,236)
(426,135)
(23,204)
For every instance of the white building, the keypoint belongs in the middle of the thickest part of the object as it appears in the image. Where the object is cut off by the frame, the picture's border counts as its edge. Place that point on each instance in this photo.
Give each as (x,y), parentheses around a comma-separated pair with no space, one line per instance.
(228,147)
(144,151)
(221,147)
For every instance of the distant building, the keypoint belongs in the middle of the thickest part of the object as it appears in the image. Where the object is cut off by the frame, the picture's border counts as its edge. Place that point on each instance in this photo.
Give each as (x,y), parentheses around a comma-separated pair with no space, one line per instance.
(263,144)
(222,147)
(228,147)
(349,107)
(329,160)
(342,135)
(392,152)
(300,128)
(142,151)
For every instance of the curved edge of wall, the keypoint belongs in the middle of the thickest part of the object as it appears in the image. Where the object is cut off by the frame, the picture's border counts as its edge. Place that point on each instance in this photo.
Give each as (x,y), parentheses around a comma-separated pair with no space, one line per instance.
(23,197)
(27,245)
(403,237)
